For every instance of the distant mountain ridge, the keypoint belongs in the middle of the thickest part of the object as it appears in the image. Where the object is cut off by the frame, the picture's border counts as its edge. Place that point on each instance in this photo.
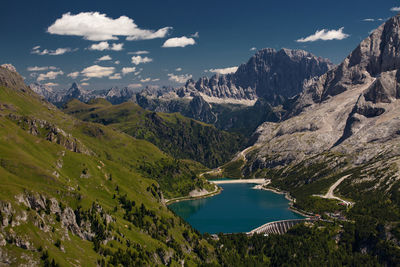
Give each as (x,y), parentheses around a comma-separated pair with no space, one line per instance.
(114,95)
(256,89)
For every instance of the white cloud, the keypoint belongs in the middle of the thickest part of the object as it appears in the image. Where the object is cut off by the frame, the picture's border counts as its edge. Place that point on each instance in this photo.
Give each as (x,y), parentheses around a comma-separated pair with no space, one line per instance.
(195,35)
(253,49)
(127,70)
(116,76)
(73,75)
(85,79)
(224,70)
(106,46)
(140,52)
(145,80)
(104,58)
(117,47)
(155,80)
(368,20)
(97,71)
(179,78)
(57,52)
(395,9)
(139,59)
(325,35)
(51,84)
(137,73)
(135,85)
(51,75)
(95,26)
(84,84)
(179,42)
(178,69)
(117,62)
(36,68)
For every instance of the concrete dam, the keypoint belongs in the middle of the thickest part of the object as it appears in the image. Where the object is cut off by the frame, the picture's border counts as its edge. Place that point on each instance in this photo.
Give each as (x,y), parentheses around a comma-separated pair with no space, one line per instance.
(278,227)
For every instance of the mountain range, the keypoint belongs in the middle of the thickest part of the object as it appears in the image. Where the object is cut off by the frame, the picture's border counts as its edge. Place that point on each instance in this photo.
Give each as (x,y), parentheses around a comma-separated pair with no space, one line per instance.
(85,183)
(266,81)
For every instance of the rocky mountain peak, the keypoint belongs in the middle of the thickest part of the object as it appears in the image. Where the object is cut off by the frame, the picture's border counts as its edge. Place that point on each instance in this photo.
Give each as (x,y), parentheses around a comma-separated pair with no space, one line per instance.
(10,78)
(10,67)
(276,75)
(270,74)
(376,54)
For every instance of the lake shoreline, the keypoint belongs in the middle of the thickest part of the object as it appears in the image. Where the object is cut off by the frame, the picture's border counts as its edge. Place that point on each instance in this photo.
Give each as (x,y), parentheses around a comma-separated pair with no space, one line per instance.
(291,199)
(217,191)
(237,202)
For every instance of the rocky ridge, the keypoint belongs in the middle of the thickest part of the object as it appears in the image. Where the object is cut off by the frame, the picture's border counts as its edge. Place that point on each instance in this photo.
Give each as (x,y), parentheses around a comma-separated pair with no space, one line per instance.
(350,116)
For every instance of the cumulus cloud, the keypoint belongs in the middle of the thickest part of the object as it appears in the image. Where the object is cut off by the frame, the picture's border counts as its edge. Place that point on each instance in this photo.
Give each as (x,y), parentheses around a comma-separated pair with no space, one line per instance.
(140,52)
(179,78)
(84,84)
(95,26)
(104,58)
(178,69)
(59,51)
(253,49)
(117,62)
(97,71)
(155,80)
(116,76)
(51,75)
(139,59)
(325,35)
(73,75)
(224,70)
(179,42)
(106,46)
(395,9)
(135,85)
(36,68)
(127,70)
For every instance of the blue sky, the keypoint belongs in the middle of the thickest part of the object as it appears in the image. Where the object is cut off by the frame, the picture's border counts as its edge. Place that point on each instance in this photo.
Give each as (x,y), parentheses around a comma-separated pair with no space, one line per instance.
(182,38)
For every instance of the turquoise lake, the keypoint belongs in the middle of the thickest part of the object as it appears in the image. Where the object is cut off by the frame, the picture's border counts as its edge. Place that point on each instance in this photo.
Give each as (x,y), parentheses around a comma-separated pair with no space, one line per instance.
(238,208)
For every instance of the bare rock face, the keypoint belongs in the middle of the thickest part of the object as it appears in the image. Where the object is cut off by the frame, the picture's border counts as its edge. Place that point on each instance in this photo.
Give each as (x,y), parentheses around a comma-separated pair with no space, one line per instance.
(68,220)
(374,56)
(270,74)
(10,78)
(353,109)
(10,67)
(50,132)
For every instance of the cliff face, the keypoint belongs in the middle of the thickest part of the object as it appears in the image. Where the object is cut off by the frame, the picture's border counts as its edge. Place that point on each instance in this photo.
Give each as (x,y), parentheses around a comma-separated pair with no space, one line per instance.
(269,74)
(376,54)
(347,118)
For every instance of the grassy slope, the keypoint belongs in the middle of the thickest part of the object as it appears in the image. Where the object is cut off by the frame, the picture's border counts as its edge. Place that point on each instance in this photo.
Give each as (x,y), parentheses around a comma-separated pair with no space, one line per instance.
(175,134)
(28,164)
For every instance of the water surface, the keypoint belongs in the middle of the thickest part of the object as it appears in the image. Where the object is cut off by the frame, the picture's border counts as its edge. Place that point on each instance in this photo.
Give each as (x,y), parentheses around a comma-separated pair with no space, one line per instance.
(239,208)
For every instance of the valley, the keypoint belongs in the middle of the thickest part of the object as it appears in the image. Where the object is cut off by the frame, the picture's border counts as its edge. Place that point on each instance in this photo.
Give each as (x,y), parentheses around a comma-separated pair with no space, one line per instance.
(179,176)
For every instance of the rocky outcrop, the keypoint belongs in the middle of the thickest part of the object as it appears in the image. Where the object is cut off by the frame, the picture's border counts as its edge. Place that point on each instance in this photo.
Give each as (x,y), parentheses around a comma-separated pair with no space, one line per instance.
(11,79)
(50,132)
(353,109)
(199,109)
(374,56)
